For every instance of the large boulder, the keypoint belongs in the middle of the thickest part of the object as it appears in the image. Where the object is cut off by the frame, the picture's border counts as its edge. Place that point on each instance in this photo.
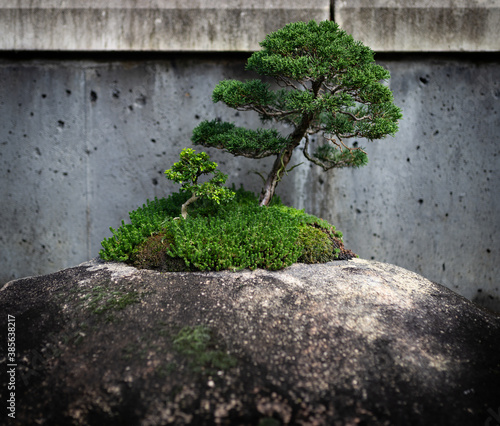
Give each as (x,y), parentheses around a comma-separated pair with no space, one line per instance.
(344,343)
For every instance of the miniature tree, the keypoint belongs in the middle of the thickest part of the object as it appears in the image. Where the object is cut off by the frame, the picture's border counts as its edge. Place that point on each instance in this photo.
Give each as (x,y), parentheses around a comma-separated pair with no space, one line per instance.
(329,85)
(187,172)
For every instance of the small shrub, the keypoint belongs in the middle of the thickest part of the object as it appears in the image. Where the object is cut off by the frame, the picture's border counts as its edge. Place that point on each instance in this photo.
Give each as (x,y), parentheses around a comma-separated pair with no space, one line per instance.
(187,172)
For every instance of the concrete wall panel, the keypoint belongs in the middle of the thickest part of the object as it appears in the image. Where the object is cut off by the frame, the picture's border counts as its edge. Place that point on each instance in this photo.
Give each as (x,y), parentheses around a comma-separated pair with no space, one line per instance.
(149,25)
(236,25)
(422,25)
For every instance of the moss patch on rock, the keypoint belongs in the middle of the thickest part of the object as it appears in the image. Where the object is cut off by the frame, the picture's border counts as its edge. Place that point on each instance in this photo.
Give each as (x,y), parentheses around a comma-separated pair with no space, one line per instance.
(106,298)
(200,348)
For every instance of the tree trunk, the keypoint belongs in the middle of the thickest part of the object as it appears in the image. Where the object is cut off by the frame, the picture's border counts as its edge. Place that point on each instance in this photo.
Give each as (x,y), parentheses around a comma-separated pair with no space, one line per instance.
(279,166)
(275,175)
(184,212)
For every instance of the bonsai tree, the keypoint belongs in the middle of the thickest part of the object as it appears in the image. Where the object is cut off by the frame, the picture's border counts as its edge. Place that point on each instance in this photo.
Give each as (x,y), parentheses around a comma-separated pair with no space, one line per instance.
(187,172)
(329,85)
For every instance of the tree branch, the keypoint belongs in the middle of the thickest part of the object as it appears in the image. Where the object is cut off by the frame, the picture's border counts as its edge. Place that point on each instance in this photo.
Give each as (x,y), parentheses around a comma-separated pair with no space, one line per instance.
(312,159)
(331,89)
(268,110)
(287,82)
(350,114)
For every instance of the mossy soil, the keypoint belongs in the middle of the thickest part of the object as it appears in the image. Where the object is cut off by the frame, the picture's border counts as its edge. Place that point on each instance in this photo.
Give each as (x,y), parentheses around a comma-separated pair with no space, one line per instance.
(234,235)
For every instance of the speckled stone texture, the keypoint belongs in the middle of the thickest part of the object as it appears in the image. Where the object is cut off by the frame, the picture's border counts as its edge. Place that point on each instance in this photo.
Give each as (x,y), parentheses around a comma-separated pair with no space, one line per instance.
(342,343)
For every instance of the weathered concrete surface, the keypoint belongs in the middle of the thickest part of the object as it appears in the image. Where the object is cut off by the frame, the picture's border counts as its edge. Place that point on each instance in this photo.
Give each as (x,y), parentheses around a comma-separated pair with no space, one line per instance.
(237,25)
(84,142)
(343,343)
(422,25)
(151,25)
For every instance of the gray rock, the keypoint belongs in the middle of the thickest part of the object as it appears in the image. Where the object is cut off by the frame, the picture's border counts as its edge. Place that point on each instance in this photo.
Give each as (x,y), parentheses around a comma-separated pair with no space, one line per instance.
(342,343)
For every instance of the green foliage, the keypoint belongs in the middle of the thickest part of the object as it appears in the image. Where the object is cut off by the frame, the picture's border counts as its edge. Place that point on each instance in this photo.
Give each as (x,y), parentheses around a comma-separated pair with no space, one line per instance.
(187,172)
(143,222)
(330,156)
(235,93)
(190,168)
(101,299)
(317,245)
(237,140)
(236,235)
(302,50)
(330,85)
(199,346)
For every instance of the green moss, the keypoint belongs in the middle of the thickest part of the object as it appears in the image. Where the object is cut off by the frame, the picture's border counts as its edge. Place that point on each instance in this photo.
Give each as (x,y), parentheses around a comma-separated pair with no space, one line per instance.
(152,254)
(317,246)
(238,235)
(165,370)
(103,298)
(135,351)
(269,421)
(144,222)
(204,354)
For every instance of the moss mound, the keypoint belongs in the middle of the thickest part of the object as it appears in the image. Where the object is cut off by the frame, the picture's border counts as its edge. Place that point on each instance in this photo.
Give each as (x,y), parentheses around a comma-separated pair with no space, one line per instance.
(152,254)
(237,235)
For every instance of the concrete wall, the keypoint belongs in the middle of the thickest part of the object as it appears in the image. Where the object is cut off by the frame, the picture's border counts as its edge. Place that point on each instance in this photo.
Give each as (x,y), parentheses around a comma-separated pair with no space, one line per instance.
(422,25)
(85,138)
(148,25)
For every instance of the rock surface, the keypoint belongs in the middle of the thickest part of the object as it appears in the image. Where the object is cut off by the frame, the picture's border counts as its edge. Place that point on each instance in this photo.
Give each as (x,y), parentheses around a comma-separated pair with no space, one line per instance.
(342,343)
